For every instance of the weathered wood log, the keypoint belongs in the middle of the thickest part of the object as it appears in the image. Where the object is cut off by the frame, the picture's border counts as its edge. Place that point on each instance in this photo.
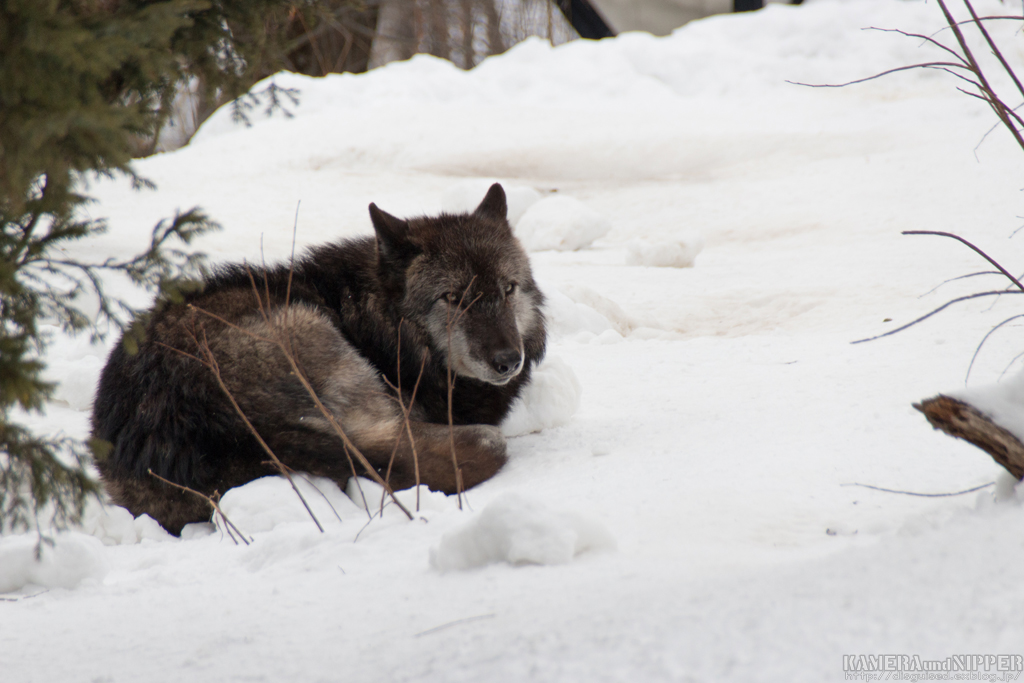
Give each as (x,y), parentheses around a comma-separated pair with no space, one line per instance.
(963,421)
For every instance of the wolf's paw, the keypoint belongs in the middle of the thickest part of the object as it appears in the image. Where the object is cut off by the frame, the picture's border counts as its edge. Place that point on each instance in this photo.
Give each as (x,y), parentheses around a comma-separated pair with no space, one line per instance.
(480,440)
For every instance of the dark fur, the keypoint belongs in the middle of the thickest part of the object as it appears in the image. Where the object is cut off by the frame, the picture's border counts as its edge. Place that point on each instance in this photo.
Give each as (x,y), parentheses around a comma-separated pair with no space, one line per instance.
(163,410)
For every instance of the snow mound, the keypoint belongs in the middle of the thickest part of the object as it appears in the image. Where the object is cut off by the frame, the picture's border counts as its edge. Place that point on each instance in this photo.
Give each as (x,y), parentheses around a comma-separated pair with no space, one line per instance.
(1008,489)
(1003,403)
(114,525)
(72,558)
(465,196)
(368,494)
(675,254)
(565,317)
(560,223)
(550,399)
(519,530)
(266,503)
(578,312)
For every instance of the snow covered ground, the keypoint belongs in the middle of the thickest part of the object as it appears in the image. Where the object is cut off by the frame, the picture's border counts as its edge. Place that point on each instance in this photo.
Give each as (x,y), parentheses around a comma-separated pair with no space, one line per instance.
(695,518)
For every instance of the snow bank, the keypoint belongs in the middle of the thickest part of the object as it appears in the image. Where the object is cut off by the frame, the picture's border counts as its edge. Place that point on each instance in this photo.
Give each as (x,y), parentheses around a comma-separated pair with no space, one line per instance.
(664,254)
(550,399)
(265,504)
(519,530)
(72,558)
(114,525)
(560,223)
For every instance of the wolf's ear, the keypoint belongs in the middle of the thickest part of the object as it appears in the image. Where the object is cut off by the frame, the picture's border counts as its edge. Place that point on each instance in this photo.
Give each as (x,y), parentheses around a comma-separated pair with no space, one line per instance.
(392,233)
(494,204)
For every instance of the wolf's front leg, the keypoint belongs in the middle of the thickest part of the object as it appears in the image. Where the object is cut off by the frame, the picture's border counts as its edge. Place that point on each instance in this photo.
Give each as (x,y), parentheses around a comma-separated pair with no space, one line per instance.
(479,452)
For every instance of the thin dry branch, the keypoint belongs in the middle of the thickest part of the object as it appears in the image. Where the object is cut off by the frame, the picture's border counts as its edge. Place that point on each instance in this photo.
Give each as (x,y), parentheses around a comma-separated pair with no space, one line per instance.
(985,256)
(922,495)
(1000,109)
(228,525)
(976,295)
(995,48)
(210,361)
(407,410)
(943,307)
(284,344)
(982,343)
(332,420)
(955,279)
(945,66)
(450,378)
(965,62)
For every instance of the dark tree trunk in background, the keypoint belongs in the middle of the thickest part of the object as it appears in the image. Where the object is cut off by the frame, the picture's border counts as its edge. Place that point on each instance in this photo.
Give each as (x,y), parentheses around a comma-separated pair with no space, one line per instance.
(585,19)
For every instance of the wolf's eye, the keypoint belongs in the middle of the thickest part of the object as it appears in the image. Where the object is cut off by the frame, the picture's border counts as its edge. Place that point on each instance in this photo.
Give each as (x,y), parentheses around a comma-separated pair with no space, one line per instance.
(510,288)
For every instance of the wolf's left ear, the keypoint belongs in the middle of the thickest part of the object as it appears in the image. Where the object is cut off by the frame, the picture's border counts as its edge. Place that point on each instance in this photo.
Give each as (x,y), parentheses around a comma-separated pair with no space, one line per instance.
(494,204)
(392,232)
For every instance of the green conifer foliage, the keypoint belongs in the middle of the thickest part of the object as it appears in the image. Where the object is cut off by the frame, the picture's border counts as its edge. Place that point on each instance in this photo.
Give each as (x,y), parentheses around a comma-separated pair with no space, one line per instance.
(80,81)
(84,84)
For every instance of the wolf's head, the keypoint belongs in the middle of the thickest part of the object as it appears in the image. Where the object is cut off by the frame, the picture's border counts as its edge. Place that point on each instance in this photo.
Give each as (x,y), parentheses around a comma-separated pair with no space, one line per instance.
(465,280)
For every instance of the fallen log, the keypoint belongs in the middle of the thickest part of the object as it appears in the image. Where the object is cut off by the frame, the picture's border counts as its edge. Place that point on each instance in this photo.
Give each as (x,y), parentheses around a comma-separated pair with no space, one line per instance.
(963,421)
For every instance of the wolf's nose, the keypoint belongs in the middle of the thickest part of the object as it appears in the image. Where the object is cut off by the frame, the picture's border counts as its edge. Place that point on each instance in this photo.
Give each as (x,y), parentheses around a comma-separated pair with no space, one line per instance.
(507,362)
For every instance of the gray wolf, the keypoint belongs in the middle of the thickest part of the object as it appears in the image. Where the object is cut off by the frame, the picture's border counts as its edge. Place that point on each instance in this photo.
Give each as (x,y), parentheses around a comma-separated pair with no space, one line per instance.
(362,318)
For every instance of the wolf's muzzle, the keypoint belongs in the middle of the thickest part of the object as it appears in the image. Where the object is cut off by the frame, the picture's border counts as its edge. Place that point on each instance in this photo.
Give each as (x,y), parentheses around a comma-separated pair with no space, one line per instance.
(507,362)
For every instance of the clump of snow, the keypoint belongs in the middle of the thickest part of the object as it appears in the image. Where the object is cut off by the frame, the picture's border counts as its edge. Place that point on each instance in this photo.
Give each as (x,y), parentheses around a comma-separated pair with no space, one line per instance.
(1008,489)
(550,399)
(620,321)
(1002,402)
(465,196)
(148,529)
(582,314)
(267,503)
(114,525)
(679,253)
(367,494)
(111,524)
(565,317)
(72,558)
(519,530)
(560,223)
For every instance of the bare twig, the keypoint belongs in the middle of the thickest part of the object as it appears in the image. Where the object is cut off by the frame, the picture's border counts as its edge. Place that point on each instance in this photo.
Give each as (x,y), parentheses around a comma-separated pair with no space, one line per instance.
(982,343)
(291,268)
(406,411)
(284,344)
(1010,365)
(464,620)
(213,503)
(922,495)
(323,495)
(210,361)
(924,65)
(976,249)
(1000,109)
(450,377)
(995,48)
(965,62)
(959,277)
(934,311)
